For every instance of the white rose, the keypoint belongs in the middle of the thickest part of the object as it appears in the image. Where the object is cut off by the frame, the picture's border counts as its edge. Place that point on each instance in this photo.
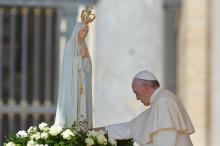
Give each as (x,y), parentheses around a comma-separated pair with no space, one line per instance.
(112,141)
(36,136)
(93,133)
(31,143)
(32,129)
(67,134)
(22,134)
(44,135)
(10,144)
(54,130)
(41,145)
(101,139)
(96,133)
(43,126)
(89,141)
(101,132)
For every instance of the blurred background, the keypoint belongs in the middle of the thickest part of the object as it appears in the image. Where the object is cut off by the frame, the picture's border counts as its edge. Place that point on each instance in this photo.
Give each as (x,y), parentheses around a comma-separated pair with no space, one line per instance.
(177,40)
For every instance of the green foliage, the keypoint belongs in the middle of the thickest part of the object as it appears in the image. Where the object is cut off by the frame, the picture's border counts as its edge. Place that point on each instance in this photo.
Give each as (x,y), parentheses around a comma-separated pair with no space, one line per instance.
(17,139)
(127,142)
(77,135)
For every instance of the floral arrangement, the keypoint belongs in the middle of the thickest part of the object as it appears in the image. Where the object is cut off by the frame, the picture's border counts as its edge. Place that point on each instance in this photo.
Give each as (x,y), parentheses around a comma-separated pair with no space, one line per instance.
(44,135)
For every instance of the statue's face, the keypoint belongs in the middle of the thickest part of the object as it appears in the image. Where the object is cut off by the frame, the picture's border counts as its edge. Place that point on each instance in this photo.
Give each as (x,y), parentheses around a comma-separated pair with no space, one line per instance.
(83,32)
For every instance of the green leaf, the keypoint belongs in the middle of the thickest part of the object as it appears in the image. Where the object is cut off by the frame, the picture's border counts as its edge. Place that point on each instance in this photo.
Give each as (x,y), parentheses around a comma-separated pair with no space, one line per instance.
(50,141)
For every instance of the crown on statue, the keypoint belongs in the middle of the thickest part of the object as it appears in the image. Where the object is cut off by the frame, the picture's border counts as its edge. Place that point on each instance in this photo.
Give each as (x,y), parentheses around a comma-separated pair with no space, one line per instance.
(87,16)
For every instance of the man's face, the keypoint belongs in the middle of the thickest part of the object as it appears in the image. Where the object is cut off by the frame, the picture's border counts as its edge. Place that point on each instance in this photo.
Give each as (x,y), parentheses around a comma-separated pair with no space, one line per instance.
(142,93)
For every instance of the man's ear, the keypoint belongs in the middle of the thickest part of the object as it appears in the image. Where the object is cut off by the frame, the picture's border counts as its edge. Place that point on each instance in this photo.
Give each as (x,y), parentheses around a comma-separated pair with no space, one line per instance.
(145,86)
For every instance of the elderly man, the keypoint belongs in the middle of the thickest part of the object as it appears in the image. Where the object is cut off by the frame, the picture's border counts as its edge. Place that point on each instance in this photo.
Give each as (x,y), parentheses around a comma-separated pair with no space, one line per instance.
(165,123)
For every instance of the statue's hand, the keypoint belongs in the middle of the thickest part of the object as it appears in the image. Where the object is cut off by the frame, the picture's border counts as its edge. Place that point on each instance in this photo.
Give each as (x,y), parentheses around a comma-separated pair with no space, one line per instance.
(83,52)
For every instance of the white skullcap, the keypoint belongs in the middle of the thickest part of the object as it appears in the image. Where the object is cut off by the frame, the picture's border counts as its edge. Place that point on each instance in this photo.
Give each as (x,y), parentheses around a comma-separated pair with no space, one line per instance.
(145,75)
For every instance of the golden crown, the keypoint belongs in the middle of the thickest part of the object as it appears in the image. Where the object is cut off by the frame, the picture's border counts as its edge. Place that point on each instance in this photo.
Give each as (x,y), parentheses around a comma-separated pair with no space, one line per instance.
(87,16)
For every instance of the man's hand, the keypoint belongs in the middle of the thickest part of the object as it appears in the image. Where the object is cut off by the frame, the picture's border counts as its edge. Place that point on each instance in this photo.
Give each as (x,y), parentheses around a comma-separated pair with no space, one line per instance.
(99,128)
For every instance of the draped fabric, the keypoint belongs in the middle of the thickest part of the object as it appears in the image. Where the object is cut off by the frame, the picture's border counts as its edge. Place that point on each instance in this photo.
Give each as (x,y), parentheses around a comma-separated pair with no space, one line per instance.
(165,123)
(166,113)
(75,84)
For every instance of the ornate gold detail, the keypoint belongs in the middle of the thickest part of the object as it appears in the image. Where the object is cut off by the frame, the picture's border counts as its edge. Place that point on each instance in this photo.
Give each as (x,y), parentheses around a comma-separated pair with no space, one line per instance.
(87,16)
(81,89)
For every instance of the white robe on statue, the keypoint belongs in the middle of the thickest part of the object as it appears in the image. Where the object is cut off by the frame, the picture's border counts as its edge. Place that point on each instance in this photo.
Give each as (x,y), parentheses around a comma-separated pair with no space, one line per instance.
(75,84)
(165,123)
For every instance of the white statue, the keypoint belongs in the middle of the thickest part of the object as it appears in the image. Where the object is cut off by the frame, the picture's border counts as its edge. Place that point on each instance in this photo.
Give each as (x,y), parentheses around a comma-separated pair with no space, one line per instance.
(75,81)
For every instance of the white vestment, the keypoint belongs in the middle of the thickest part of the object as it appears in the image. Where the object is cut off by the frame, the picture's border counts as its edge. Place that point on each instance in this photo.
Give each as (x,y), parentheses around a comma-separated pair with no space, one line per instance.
(165,123)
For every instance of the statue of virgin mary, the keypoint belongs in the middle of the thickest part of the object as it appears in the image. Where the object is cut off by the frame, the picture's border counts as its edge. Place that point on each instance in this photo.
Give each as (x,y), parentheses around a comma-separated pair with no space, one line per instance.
(75,81)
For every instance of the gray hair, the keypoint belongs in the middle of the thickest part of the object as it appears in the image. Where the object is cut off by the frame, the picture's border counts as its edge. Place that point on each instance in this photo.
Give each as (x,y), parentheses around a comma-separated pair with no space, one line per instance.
(152,83)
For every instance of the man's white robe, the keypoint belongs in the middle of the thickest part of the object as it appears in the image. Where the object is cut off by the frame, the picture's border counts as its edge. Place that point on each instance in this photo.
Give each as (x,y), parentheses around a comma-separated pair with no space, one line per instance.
(165,123)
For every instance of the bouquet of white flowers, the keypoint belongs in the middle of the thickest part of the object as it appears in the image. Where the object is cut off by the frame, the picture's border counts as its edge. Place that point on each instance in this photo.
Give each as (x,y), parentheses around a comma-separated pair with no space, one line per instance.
(45,135)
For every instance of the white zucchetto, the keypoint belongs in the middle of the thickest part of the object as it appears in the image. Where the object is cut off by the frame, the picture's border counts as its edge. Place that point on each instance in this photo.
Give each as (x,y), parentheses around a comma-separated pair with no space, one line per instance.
(145,75)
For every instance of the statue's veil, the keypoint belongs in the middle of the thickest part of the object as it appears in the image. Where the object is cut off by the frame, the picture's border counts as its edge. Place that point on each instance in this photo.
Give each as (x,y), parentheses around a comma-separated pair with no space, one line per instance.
(66,112)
